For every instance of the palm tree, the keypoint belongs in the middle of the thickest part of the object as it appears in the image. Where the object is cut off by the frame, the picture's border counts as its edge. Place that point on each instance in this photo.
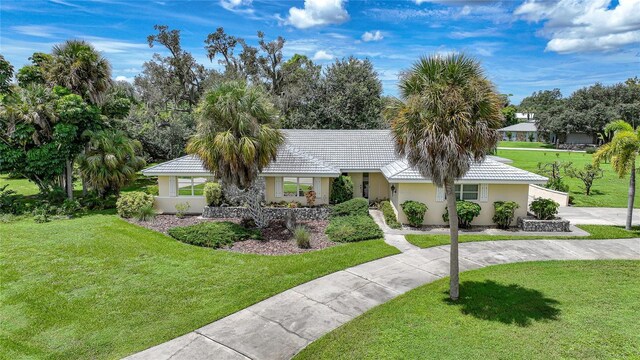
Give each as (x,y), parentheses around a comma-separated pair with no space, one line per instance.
(78,66)
(447,121)
(235,136)
(111,161)
(622,151)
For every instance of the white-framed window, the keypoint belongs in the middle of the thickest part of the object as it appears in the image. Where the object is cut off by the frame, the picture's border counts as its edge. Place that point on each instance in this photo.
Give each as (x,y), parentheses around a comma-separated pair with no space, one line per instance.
(192,185)
(296,186)
(467,191)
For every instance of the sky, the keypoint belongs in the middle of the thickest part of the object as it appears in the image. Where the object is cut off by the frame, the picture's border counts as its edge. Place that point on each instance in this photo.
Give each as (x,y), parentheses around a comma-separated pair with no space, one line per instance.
(524,45)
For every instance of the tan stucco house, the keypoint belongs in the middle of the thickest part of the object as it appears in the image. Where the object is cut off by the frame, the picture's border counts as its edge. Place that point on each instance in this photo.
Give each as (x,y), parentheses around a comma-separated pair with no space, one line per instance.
(313,158)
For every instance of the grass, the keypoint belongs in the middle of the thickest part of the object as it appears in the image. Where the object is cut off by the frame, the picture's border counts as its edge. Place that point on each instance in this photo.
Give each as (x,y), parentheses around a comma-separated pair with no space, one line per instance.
(97,287)
(610,191)
(525,145)
(536,310)
(595,232)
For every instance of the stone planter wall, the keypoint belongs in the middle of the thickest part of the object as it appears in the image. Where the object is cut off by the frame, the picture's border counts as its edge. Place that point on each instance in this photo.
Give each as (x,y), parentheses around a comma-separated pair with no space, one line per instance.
(272,213)
(533,224)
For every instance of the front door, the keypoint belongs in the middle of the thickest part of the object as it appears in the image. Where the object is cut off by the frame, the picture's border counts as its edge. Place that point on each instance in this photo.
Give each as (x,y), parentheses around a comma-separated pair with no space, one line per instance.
(365,185)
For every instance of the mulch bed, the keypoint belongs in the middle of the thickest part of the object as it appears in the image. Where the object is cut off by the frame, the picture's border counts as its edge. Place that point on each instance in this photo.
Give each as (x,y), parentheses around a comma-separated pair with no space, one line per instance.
(277,239)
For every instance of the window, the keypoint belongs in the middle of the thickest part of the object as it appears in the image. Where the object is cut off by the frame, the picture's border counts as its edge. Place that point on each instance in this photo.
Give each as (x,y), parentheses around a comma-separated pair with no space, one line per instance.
(294,186)
(467,192)
(192,186)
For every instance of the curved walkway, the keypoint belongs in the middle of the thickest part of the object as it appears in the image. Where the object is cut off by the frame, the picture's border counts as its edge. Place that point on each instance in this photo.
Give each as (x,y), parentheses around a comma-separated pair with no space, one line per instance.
(281,326)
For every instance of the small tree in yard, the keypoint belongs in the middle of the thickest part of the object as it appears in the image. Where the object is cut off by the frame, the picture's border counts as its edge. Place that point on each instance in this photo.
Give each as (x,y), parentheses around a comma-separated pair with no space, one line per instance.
(446,121)
(236,138)
(587,175)
(622,151)
(555,172)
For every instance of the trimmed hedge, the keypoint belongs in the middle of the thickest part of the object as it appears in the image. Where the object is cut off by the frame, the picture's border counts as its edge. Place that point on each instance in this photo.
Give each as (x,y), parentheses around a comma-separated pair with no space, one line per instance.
(213,194)
(213,234)
(357,206)
(544,209)
(415,211)
(389,215)
(129,204)
(466,210)
(353,228)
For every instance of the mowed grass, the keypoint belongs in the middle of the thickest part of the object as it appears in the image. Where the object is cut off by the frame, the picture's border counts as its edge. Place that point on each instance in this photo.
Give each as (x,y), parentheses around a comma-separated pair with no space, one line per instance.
(595,232)
(525,144)
(610,191)
(536,310)
(97,287)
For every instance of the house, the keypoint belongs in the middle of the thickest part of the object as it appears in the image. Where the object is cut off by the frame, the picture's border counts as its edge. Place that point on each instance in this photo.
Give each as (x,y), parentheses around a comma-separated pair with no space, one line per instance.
(524,131)
(313,158)
(528,131)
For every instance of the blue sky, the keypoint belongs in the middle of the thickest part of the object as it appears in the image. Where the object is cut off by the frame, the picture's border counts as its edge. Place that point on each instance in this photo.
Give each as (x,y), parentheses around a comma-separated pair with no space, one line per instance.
(524,45)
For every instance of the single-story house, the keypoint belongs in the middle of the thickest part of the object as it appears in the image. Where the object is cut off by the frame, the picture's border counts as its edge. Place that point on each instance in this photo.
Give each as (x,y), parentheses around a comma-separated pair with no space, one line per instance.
(313,158)
(524,131)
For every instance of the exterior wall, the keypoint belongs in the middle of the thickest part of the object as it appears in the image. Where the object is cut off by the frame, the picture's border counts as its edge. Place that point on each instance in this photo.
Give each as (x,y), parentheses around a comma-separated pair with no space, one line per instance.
(167,204)
(270,192)
(426,193)
(378,186)
(163,186)
(560,197)
(356,178)
(579,138)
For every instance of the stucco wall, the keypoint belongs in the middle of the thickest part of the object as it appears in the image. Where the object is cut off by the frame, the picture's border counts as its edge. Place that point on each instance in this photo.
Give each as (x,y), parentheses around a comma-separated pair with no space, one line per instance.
(426,193)
(167,204)
(163,186)
(579,138)
(356,178)
(378,186)
(560,197)
(270,194)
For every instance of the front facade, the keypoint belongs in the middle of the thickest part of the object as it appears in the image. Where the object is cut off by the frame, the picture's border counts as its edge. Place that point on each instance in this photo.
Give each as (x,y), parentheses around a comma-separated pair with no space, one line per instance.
(311,159)
(524,131)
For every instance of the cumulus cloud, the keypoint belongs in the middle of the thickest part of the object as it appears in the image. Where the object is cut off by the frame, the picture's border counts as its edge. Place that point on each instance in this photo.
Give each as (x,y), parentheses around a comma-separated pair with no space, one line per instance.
(238,6)
(588,25)
(318,13)
(322,55)
(372,36)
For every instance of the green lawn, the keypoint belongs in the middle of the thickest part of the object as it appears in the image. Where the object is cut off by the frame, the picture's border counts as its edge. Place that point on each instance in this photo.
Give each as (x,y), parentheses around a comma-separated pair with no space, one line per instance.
(610,191)
(98,287)
(595,232)
(536,310)
(525,145)
(28,188)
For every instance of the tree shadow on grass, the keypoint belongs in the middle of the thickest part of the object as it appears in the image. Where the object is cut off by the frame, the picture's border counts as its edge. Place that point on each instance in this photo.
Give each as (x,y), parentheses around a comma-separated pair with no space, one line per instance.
(508,304)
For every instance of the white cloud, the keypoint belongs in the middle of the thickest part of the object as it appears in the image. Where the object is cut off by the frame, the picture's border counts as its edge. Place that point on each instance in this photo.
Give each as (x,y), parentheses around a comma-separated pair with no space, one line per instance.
(372,36)
(113,46)
(323,55)
(318,13)
(237,6)
(42,31)
(588,25)
(124,78)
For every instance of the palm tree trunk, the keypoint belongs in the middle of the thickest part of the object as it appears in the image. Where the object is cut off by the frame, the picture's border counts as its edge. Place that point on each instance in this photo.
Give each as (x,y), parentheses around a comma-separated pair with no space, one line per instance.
(454,268)
(69,179)
(632,195)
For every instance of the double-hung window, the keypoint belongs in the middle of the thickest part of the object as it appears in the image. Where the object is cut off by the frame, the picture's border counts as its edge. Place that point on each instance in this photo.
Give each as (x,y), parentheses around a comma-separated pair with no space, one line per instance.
(296,186)
(192,186)
(467,191)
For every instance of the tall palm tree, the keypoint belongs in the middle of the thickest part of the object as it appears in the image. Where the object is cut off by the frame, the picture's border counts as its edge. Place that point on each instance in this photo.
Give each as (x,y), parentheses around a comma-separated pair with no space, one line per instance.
(78,66)
(622,151)
(235,136)
(446,121)
(111,161)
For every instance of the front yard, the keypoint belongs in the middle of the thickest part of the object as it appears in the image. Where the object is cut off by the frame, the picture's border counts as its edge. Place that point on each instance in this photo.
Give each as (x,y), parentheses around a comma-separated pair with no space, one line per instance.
(98,287)
(543,310)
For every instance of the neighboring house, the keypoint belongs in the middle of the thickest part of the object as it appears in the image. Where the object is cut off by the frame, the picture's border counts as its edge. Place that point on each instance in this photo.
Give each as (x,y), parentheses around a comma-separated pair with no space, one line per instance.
(313,158)
(524,131)
(524,117)
(528,131)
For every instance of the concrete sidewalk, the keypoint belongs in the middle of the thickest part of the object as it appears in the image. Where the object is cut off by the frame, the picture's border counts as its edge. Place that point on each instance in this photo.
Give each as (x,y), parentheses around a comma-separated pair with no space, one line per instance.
(281,326)
(598,216)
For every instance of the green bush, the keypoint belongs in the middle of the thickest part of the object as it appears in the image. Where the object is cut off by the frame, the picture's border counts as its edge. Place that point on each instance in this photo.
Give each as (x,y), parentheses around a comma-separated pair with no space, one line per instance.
(70,207)
(341,189)
(389,215)
(10,201)
(146,213)
(353,228)
(302,236)
(357,206)
(129,204)
(591,149)
(213,234)
(181,209)
(466,210)
(544,209)
(504,213)
(213,194)
(415,211)
(557,184)
(152,190)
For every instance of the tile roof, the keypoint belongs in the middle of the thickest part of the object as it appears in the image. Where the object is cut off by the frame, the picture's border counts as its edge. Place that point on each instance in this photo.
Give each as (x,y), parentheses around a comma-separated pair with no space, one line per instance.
(187,165)
(294,161)
(523,126)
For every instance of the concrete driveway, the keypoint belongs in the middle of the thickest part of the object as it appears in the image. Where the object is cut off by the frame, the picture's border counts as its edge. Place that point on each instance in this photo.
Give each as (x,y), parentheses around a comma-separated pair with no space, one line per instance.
(598,216)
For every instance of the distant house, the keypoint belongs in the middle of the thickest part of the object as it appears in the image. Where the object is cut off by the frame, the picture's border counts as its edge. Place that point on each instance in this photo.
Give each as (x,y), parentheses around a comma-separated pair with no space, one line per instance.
(524,131)
(312,159)
(524,117)
(527,130)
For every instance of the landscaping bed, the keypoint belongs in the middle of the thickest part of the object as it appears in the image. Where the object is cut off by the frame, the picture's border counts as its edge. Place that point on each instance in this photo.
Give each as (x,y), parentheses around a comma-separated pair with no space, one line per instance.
(162,223)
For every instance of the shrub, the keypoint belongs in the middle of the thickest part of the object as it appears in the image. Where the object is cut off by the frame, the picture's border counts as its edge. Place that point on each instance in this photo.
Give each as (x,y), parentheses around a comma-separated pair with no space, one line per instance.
(93,201)
(591,149)
(341,189)
(294,205)
(302,236)
(10,201)
(389,215)
(557,184)
(146,213)
(544,209)
(504,213)
(213,194)
(129,204)
(415,211)
(466,210)
(69,207)
(357,206)
(311,197)
(54,196)
(152,190)
(213,234)
(353,228)
(41,214)
(181,209)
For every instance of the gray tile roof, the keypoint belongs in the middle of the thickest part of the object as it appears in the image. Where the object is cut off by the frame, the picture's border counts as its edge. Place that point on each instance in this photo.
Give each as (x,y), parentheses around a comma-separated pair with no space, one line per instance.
(186,165)
(486,171)
(523,126)
(294,161)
